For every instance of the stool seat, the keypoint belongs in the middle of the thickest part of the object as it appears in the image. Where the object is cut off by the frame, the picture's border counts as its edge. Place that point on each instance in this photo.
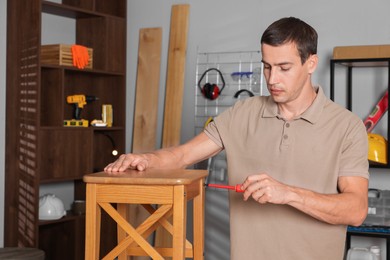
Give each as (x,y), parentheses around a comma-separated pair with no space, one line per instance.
(169,189)
(21,253)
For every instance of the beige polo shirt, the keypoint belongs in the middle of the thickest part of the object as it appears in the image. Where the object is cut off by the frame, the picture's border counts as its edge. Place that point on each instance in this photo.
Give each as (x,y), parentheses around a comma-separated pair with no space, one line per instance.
(311,152)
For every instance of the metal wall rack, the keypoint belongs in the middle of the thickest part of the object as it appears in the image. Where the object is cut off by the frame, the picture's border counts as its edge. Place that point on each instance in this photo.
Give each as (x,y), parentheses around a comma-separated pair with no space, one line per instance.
(227,63)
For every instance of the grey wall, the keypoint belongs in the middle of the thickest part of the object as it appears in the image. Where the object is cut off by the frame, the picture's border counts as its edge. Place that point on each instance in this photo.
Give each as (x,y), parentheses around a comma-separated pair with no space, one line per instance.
(220,25)
(227,25)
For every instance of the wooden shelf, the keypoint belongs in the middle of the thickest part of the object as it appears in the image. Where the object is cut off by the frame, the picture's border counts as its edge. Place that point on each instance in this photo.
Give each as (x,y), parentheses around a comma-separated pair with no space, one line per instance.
(39,149)
(86,71)
(374,62)
(68,217)
(70,11)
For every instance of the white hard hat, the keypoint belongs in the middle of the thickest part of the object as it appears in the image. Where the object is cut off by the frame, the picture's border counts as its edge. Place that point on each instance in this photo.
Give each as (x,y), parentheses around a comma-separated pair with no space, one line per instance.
(50,207)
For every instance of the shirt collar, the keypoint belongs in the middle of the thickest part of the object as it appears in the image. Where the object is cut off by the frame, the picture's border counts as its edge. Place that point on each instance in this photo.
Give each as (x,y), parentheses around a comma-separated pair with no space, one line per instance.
(311,114)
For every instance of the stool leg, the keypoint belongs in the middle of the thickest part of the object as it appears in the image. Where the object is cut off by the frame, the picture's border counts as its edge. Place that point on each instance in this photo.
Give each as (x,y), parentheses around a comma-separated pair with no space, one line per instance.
(198,227)
(179,221)
(122,209)
(92,224)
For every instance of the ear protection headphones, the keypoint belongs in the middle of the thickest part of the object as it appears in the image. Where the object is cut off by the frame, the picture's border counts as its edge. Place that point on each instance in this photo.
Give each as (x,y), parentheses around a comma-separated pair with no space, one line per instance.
(238,93)
(211,91)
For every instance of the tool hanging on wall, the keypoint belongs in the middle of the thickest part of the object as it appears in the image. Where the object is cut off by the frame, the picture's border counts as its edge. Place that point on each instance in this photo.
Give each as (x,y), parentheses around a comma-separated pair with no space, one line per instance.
(211,91)
(238,93)
(377,113)
(208,121)
(241,75)
(377,144)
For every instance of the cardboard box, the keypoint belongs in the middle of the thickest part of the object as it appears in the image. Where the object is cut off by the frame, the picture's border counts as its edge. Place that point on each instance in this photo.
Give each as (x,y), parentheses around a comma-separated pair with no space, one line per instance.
(361,52)
(61,54)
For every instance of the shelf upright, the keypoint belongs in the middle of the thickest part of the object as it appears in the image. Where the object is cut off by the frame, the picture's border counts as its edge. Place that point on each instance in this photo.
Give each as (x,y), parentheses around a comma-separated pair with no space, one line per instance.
(361,63)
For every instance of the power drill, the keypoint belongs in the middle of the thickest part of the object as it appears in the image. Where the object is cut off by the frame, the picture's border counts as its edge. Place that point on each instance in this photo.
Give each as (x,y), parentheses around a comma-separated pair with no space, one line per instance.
(78,101)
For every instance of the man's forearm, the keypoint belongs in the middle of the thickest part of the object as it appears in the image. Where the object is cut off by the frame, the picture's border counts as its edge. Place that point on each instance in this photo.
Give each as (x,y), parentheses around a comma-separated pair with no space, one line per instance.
(343,208)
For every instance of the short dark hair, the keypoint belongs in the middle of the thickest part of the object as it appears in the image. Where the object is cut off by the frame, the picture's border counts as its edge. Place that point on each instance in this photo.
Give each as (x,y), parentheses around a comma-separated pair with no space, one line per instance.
(291,29)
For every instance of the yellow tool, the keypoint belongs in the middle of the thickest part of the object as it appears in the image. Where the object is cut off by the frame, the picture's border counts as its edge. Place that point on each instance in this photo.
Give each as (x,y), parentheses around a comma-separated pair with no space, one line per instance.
(74,122)
(78,101)
(210,119)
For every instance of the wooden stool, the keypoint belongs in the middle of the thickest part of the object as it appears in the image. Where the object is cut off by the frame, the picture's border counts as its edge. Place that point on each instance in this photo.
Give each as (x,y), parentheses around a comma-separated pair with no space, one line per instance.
(171,189)
(21,253)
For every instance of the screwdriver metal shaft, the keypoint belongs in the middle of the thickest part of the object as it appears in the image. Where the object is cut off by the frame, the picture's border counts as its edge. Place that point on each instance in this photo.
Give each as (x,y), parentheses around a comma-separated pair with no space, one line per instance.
(236,188)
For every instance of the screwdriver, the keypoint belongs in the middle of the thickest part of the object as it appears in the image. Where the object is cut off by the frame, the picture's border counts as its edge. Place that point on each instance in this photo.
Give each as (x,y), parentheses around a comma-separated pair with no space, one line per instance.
(236,188)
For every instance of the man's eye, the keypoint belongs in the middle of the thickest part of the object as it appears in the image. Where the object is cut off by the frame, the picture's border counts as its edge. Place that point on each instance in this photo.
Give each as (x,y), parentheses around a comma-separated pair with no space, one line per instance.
(267,67)
(285,68)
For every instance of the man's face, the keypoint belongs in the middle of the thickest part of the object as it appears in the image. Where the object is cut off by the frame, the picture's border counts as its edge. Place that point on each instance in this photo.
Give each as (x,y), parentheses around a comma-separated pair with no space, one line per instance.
(284,72)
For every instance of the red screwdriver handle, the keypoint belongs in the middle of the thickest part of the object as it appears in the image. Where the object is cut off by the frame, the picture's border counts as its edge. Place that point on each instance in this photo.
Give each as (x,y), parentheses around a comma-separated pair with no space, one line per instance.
(238,188)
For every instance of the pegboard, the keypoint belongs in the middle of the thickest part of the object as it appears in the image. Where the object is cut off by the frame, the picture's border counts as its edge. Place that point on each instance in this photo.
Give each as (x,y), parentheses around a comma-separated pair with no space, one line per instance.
(240,70)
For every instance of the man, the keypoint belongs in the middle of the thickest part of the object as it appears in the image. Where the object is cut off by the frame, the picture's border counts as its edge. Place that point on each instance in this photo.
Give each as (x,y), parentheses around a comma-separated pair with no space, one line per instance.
(301,159)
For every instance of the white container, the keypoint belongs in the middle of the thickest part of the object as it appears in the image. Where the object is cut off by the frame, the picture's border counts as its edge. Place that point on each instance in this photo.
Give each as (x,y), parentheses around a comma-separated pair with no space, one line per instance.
(376,250)
(360,253)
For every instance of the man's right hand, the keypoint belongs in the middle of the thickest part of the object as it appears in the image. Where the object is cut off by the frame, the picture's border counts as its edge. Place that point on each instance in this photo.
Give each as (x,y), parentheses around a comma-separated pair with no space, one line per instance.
(128,161)
(197,149)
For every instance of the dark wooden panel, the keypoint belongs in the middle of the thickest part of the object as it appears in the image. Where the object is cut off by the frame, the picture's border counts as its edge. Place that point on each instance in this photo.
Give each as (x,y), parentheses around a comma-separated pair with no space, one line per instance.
(85,4)
(112,7)
(65,153)
(52,97)
(22,108)
(97,33)
(103,147)
(58,240)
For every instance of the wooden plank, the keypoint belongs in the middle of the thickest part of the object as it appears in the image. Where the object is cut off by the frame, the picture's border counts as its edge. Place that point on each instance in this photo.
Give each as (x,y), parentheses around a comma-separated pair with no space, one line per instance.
(175,75)
(148,76)
(146,104)
(174,91)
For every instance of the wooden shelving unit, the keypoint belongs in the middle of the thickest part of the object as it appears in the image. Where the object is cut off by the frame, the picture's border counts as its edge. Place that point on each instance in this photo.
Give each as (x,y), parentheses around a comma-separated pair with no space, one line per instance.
(39,149)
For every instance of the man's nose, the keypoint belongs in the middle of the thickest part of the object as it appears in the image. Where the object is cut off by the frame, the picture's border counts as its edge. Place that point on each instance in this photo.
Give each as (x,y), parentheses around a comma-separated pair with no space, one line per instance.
(272,77)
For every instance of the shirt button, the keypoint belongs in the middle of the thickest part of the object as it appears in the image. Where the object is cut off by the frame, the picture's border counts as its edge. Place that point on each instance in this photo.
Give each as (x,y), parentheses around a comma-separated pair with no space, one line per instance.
(287,124)
(285,136)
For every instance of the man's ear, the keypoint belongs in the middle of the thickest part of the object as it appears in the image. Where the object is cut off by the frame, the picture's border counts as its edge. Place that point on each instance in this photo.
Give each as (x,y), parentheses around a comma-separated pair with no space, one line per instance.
(312,63)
